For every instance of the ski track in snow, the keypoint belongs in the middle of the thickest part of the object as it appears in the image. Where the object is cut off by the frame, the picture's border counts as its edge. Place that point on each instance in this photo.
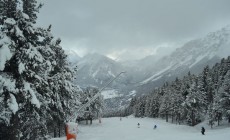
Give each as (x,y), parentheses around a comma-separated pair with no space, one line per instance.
(114,129)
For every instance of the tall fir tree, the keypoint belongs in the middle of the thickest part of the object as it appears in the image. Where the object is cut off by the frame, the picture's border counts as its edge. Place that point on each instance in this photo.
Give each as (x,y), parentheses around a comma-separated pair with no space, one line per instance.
(39,88)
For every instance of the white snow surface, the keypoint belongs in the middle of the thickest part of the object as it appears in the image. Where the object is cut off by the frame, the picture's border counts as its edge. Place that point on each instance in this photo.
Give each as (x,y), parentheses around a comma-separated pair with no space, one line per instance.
(152,78)
(20,5)
(110,73)
(13,105)
(5,55)
(34,99)
(132,93)
(198,59)
(10,21)
(107,94)
(126,129)
(21,68)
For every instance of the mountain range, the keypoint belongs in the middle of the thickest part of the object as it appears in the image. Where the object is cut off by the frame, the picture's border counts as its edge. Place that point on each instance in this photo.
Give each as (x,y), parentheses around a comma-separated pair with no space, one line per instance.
(142,76)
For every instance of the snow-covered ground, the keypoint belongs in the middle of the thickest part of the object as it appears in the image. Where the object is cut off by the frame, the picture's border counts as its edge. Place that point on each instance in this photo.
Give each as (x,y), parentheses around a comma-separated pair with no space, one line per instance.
(114,129)
(107,94)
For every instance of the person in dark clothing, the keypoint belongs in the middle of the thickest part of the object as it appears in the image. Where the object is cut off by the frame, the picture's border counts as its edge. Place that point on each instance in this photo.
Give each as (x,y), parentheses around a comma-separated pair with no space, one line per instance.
(138,125)
(155,127)
(202,130)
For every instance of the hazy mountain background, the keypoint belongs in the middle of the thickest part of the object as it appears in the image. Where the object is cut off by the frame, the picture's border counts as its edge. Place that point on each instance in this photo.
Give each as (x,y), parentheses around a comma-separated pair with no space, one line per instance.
(143,75)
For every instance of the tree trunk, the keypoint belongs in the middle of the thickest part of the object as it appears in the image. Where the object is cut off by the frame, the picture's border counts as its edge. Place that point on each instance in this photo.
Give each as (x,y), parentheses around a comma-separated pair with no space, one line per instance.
(218,120)
(91,121)
(179,118)
(193,118)
(59,128)
(166,116)
(55,133)
(14,128)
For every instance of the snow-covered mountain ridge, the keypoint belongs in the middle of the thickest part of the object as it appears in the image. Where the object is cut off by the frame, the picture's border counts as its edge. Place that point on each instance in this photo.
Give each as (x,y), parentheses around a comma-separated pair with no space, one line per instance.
(146,74)
(96,70)
(212,47)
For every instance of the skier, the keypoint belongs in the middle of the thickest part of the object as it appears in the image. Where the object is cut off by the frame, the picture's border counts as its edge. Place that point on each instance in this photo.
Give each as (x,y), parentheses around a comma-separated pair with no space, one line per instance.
(138,125)
(202,130)
(155,127)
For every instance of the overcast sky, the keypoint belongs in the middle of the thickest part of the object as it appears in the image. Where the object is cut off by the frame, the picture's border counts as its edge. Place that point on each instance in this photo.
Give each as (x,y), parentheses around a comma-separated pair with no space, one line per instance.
(131,29)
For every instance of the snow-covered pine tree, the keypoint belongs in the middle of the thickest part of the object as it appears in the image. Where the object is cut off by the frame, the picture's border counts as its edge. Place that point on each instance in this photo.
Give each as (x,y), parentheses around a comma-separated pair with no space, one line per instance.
(148,106)
(176,100)
(219,74)
(223,98)
(139,107)
(192,98)
(195,103)
(63,94)
(165,105)
(155,105)
(35,81)
(95,107)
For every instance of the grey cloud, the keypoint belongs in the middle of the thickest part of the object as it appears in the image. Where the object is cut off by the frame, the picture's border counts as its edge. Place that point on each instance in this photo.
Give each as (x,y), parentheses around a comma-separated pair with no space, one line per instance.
(111,25)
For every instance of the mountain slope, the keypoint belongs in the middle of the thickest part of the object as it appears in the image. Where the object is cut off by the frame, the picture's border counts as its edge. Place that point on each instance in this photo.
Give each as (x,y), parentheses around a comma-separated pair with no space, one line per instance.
(97,70)
(192,56)
(144,75)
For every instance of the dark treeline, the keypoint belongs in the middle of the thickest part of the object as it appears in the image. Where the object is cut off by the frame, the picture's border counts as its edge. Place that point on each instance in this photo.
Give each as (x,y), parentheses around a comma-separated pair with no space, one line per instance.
(189,100)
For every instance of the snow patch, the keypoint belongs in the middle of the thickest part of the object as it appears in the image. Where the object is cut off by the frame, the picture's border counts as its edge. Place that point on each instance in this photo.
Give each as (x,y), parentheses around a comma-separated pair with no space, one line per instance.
(34,99)
(20,5)
(25,16)
(110,73)
(132,93)
(156,78)
(155,75)
(5,55)
(34,53)
(7,83)
(95,73)
(21,68)
(10,21)
(110,94)
(13,105)
(19,33)
(198,59)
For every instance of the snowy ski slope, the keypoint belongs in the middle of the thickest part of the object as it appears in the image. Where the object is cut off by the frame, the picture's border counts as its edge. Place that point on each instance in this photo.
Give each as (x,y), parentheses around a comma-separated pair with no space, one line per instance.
(114,129)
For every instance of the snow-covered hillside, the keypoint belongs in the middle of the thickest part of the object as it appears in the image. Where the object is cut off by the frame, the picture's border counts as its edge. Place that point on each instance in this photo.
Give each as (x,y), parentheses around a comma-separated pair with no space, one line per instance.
(194,54)
(107,94)
(126,129)
(97,70)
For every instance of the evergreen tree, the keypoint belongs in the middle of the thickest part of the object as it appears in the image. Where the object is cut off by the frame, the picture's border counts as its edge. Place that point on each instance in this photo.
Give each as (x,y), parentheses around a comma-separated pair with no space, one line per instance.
(194,103)
(224,97)
(94,110)
(38,88)
(191,98)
